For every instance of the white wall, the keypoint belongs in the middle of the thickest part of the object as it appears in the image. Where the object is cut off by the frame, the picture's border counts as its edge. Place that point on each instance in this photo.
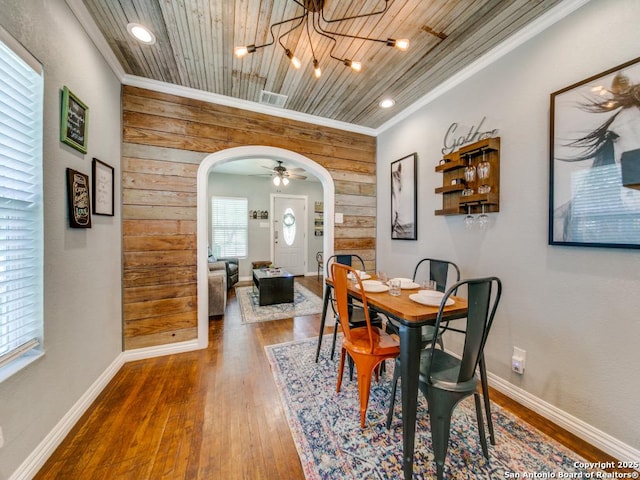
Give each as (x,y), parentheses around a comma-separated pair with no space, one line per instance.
(258,191)
(574,310)
(82,272)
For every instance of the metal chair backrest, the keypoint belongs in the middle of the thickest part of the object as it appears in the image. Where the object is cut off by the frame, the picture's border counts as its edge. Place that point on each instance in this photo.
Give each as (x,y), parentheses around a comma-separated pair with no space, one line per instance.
(483,296)
(350,259)
(438,271)
(340,274)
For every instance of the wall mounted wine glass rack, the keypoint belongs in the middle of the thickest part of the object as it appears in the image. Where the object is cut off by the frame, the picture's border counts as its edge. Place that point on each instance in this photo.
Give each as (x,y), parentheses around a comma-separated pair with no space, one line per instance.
(462,195)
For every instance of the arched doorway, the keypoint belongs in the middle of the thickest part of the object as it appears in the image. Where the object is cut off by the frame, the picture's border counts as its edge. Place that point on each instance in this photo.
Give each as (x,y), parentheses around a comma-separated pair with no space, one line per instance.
(239,153)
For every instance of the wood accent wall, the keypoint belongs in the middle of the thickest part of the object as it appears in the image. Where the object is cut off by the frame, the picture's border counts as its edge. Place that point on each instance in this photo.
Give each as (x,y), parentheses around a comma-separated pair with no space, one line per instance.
(165,137)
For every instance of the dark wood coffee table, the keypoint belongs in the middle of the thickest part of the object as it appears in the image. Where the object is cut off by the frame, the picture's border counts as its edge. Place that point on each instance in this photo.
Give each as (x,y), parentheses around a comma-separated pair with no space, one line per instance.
(273,286)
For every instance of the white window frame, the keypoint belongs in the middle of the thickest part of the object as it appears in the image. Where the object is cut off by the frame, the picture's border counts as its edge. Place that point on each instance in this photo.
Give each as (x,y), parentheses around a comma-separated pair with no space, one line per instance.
(225,227)
(21,208)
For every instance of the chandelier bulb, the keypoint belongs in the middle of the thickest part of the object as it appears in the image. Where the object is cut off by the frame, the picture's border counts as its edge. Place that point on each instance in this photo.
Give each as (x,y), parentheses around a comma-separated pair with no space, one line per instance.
(276,181)
(355,66)
(285,181)
(244,50)
(316,69)
(402,44)
(294,60)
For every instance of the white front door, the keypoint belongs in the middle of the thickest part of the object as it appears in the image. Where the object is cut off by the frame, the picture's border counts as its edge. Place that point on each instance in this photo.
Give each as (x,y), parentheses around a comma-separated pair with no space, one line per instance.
(290,233)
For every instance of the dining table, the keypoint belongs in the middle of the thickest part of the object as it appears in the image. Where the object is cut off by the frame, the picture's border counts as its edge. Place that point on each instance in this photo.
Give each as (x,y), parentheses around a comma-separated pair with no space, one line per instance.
(409,316)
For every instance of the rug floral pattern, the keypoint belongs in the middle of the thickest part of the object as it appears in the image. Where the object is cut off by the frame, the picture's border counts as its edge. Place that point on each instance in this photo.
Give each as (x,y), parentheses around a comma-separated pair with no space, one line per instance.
(326,428)
(304,303)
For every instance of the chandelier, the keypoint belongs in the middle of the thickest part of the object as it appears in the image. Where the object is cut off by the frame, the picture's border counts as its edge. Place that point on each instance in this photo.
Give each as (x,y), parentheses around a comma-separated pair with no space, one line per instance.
(314,19)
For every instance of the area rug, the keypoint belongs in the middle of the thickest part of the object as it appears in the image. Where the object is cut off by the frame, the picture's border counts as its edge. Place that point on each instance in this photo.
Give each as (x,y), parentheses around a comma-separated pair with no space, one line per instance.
(331,445)
(304,303)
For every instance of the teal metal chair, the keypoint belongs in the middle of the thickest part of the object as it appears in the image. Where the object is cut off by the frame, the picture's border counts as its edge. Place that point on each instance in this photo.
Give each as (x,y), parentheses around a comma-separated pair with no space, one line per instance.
(445,379)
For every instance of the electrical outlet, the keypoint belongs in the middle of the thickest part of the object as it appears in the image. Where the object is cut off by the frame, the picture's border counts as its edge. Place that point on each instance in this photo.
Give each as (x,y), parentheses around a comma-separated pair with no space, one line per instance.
(518,360)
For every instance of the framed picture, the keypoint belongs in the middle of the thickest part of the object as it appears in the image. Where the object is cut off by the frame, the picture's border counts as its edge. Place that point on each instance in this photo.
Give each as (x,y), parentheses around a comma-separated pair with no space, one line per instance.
(74,121)
(78,199)
(404,198)
(595,161)
(102,179)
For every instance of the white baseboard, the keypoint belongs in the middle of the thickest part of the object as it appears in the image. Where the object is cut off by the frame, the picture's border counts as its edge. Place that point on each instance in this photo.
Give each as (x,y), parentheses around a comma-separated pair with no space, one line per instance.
(34,462)
(586,432)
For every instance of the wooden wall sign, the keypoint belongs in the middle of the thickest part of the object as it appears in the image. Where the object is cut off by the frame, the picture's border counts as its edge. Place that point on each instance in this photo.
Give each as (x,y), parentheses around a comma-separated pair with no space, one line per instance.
(74,121)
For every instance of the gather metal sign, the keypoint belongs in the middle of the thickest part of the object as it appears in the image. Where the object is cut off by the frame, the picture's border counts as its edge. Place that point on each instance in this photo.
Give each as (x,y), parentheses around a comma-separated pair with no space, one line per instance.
(454,140)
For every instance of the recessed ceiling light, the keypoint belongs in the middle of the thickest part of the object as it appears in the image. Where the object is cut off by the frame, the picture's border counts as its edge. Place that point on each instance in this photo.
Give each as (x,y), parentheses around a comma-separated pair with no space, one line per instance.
(141,33)
(387,103)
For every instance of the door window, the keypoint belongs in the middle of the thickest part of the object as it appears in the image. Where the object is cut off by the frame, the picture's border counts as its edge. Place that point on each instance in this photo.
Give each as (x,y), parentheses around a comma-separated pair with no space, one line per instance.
(289,226)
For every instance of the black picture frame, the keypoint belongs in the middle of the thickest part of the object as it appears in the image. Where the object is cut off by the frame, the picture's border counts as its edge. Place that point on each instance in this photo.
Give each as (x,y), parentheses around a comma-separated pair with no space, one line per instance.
(404,198)
(102,183)
(79,201)
(74,121)
(594,174)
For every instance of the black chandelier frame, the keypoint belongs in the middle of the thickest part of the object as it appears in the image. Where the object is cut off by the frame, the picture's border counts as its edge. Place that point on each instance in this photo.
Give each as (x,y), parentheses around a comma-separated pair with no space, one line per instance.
(314,14)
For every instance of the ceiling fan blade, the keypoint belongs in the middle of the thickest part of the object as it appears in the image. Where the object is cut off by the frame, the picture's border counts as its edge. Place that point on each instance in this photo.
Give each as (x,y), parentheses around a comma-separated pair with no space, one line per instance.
(296,169)
(295,175)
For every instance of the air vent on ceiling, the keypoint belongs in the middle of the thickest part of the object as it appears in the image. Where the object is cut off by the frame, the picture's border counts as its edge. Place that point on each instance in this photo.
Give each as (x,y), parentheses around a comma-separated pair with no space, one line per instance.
(273,99)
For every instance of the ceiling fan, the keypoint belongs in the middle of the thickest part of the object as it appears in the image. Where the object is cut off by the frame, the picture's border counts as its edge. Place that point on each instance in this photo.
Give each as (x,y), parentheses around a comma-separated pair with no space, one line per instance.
(281,174)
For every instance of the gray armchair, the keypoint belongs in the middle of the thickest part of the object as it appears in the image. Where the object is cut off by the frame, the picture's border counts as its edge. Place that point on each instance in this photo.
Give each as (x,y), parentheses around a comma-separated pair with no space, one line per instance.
(229,265)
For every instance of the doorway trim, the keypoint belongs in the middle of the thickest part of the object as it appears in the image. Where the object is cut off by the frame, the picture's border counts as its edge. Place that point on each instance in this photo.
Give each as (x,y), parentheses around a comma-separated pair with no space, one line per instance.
(240,153)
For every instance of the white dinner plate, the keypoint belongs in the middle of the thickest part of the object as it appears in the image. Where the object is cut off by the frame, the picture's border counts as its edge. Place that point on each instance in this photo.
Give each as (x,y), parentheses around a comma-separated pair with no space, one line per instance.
(432,293)
(373,286)
(430,300)
(362,275)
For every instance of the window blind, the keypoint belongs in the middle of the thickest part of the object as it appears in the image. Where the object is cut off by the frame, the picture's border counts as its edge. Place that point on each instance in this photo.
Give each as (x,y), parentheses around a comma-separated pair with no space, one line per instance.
(230,226)
(21,212)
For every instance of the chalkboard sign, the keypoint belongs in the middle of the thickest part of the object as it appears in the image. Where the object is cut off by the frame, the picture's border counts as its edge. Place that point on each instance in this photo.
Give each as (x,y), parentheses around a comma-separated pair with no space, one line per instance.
(74,121)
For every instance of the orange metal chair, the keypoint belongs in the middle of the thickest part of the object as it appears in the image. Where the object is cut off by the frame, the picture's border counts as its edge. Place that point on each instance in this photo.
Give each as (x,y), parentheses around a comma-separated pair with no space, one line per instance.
(368,346)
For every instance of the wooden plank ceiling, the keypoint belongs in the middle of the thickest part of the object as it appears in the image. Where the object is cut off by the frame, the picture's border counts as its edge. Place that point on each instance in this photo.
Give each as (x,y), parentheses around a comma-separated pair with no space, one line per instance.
(196,38)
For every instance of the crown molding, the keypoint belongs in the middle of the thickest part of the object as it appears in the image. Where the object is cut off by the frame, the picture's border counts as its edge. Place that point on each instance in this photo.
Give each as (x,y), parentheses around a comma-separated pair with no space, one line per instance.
(172,89)
(534,28)
(85,19)
(514,41)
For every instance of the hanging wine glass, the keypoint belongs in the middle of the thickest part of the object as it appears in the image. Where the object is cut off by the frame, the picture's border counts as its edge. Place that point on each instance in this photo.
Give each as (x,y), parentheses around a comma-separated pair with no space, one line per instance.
(484,167)
(469,175)
(483,219)
(468,220)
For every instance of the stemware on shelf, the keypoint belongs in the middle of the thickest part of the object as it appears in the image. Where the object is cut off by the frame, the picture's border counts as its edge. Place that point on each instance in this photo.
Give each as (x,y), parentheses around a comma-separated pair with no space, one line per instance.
(469,178)
(468,220)
(483,219)
(484,167)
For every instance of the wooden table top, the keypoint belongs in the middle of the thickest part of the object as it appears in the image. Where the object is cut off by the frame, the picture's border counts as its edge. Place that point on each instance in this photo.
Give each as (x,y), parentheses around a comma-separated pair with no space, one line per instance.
(405,309)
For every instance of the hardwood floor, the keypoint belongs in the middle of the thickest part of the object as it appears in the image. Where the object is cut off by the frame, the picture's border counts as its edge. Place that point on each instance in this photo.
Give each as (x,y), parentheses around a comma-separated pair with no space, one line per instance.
(210,414)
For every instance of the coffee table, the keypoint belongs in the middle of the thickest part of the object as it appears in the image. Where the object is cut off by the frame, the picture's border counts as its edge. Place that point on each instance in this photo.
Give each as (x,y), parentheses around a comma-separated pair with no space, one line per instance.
(274,286)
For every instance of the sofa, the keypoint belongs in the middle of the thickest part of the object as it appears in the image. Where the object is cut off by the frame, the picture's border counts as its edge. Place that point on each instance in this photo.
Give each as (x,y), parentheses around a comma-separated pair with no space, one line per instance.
(223,274)
(217,291)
